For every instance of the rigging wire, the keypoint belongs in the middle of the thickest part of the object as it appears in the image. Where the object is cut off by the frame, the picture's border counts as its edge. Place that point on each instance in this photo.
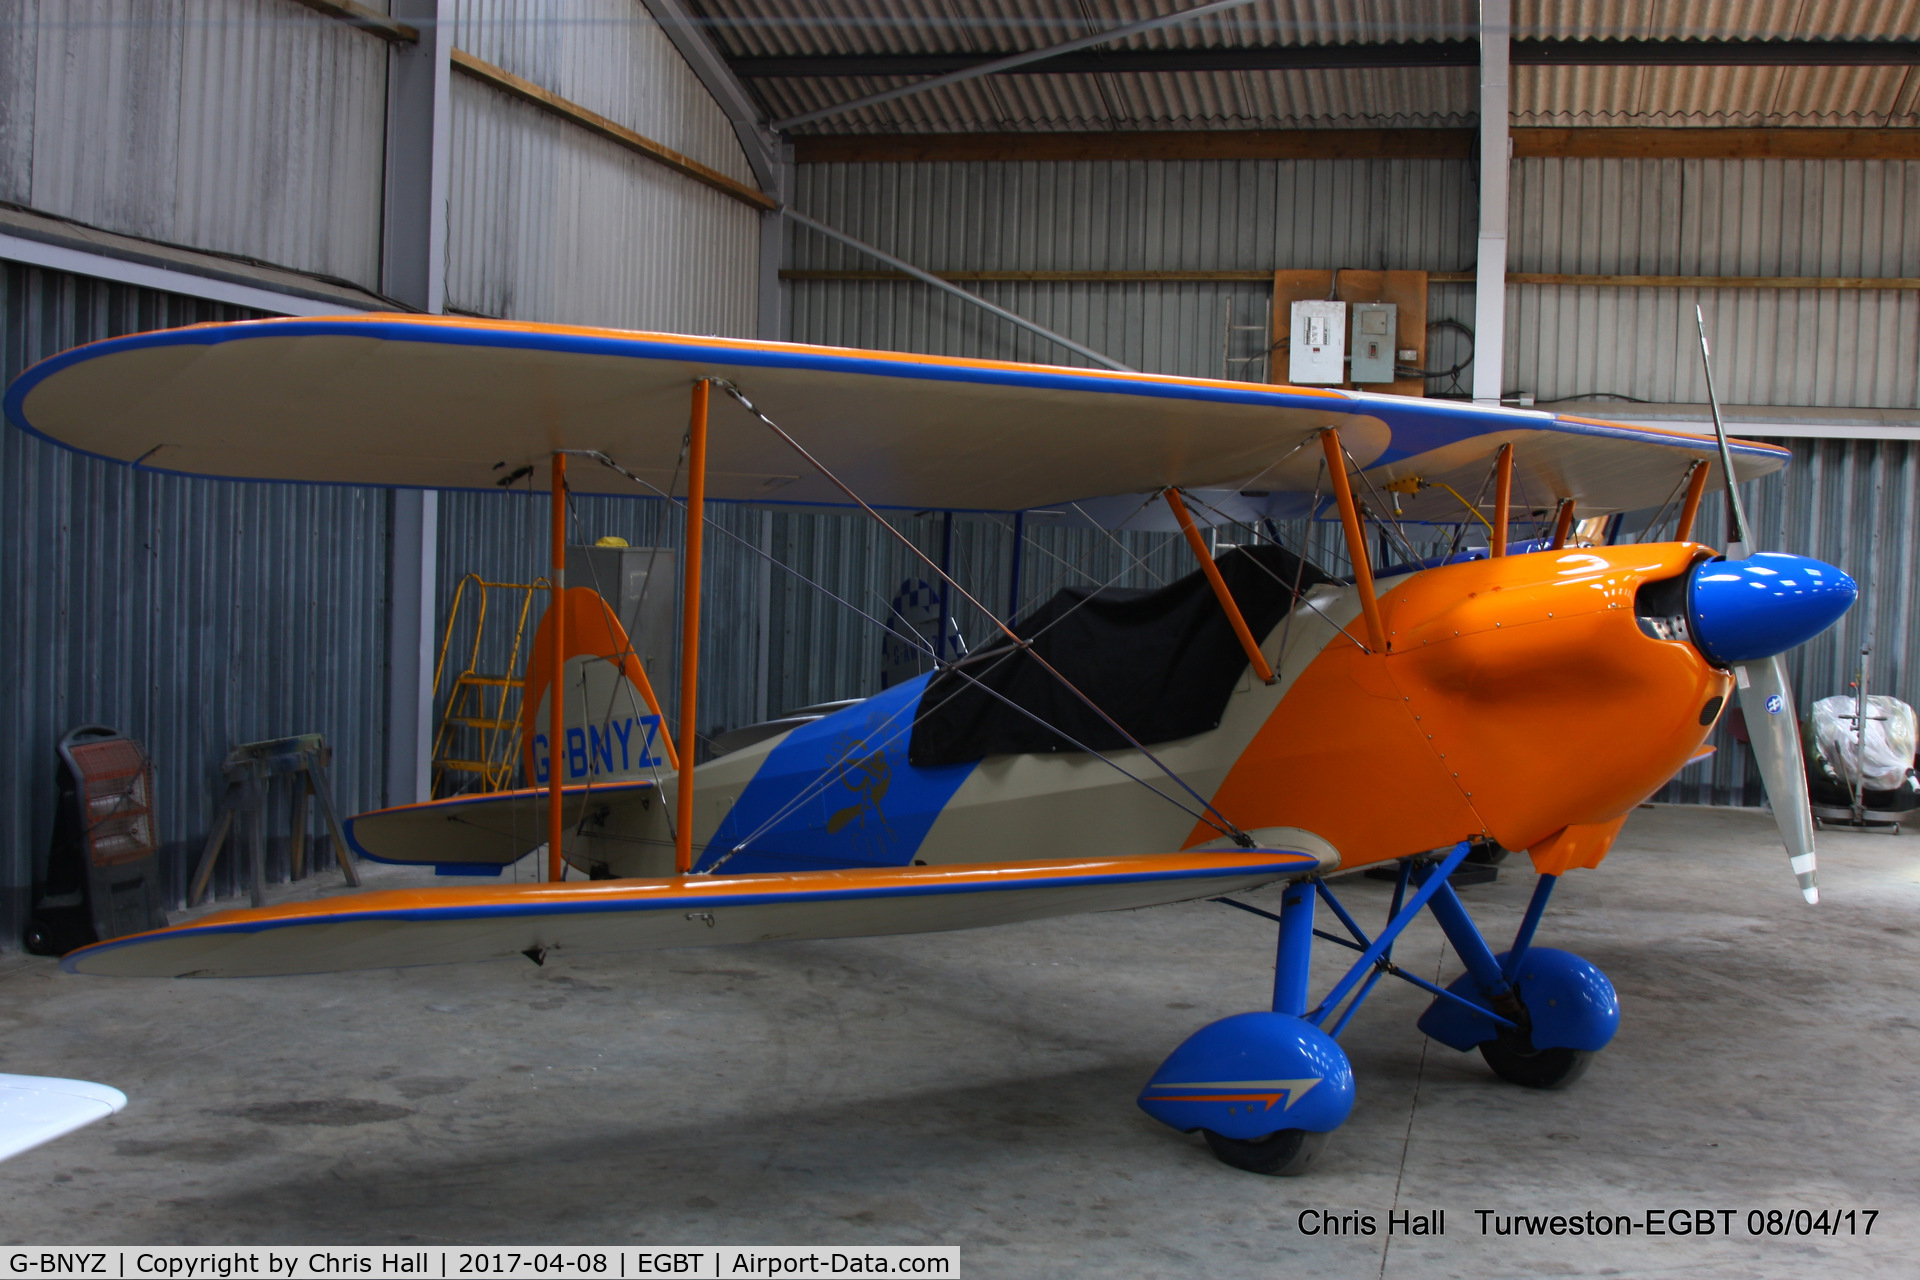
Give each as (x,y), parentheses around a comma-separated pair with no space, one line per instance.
(1660,516)
(827,774)
(1240,837)
(1298,598)
(1460,531)
(618,661)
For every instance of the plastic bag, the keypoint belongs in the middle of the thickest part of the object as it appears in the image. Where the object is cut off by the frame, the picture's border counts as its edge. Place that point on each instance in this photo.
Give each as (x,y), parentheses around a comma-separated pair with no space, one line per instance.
(1891,732)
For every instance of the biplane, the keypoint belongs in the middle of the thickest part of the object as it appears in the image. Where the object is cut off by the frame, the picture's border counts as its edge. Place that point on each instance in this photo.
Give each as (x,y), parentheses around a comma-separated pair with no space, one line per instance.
(1107,751)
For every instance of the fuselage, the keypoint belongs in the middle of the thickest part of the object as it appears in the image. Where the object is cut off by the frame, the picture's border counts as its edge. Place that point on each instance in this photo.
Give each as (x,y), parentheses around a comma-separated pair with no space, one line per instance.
(1518,698)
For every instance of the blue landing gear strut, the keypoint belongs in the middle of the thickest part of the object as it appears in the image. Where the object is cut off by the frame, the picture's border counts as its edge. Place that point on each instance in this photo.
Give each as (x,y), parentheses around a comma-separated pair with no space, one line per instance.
(1267,1088)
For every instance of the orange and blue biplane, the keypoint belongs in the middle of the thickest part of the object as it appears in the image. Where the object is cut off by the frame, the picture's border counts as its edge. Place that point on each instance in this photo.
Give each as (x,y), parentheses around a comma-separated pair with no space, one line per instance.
(1109,750)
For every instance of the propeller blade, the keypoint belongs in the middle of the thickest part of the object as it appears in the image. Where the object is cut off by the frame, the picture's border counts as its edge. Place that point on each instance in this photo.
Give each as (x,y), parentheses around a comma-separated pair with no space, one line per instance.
(1766,699)
(1773,729)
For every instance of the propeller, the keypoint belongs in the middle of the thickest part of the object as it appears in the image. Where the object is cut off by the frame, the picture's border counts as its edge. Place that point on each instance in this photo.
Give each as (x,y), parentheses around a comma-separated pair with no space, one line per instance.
(1750,631)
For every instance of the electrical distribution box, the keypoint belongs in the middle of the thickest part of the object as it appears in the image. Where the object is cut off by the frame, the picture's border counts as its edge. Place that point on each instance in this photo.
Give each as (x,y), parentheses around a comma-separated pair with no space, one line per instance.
(1317,343)
(1374,336)
(641,583)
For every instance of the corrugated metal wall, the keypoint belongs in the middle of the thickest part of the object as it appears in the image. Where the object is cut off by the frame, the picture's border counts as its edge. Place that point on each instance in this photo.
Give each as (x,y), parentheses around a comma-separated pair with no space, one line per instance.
(1853,503)
(776,638)
(1717,217)
(192,614)
(549,222)
(1213,215)
(1813,347)
(1654,217)
(250,127)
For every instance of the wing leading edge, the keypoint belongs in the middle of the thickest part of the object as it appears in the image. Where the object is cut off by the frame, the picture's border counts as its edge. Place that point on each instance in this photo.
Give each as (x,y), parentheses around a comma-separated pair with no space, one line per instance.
(441,926)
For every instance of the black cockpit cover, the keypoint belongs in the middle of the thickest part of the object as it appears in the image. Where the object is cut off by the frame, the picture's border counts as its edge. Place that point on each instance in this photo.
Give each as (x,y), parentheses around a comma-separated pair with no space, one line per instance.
(1161,662)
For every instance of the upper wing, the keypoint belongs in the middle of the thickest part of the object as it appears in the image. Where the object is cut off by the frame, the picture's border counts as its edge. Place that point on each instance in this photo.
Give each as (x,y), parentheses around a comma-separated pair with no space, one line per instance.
(447,402)
(37,1109)
(438,926)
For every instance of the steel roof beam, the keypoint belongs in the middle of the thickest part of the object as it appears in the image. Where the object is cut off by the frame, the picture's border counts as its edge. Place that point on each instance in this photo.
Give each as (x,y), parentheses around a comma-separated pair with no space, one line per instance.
(996,66)
(1317,57)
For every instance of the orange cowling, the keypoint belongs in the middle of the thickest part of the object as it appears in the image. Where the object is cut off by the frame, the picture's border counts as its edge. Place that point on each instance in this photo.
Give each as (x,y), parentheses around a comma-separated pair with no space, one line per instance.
(1576,846)
(1518,697)
(592,631)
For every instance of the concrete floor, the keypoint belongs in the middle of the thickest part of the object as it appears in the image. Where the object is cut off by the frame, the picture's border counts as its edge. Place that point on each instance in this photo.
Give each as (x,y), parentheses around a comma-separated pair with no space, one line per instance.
(977,1089)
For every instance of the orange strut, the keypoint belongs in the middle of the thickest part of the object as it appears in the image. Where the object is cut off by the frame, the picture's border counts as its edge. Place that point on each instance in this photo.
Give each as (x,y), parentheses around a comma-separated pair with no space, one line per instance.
(557,670)
(690,625)
(636,673)
(1219,584)
(1502,500)
(1356,539)
(1562,524)
(1696,486)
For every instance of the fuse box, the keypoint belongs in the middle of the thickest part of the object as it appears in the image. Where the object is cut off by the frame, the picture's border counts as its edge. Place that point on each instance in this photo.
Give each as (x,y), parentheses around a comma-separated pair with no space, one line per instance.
(1317,343)
(1374,338)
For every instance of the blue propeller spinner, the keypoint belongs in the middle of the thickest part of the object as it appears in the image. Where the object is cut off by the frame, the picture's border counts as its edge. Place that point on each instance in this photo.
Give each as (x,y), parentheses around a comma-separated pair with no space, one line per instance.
(1746,610)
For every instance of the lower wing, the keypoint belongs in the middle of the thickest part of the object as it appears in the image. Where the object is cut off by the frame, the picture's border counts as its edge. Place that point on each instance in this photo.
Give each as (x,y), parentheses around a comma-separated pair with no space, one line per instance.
(37,1109)
(439,926)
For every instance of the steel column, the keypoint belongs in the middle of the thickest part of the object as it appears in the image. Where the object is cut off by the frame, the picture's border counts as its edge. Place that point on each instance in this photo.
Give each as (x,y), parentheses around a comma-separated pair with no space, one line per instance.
(412,564)
(413,249)
(1019,547)
(1496,159)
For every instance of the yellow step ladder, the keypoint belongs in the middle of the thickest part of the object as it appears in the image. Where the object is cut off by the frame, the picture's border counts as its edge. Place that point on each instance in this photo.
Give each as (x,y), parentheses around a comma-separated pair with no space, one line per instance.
(477,745)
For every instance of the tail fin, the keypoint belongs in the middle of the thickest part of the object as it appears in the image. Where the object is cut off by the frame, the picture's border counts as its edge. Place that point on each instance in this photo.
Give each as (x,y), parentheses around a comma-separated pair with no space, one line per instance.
(613,725)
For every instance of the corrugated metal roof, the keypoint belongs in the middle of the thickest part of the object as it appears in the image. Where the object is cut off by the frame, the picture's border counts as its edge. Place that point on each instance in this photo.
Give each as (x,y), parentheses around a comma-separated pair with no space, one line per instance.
(763,28)
(1427,97)
(1858,97)
(1373,98)
(1716,19)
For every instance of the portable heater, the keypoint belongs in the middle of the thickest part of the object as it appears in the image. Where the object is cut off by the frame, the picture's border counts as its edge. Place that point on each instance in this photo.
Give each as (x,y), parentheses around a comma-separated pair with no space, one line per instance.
(102,878)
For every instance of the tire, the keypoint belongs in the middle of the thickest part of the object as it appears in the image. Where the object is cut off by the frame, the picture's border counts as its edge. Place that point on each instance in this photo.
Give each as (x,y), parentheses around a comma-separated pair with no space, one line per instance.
(1540,1069)
(1487,854)
(1286,1154)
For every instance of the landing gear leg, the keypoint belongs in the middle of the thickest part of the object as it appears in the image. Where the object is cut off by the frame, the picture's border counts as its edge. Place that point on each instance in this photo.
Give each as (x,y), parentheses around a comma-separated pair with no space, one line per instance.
(1554,1010)
(1264,1089)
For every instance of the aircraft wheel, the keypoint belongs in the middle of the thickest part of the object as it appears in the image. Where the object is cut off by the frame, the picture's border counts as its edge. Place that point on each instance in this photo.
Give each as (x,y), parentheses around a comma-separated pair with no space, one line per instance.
(1286,1154)
(1538,1069)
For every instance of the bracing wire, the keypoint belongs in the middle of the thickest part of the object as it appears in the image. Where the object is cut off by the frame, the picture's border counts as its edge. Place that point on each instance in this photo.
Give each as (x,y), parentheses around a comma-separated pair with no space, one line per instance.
(825,778)
(1240,837)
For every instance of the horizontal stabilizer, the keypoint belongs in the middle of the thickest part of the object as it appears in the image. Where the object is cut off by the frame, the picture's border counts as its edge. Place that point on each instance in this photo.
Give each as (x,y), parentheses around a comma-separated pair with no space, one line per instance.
(478,835)
(441,926)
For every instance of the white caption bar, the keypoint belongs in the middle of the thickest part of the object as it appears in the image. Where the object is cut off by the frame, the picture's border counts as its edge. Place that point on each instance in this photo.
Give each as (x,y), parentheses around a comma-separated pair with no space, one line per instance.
(585,1262)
